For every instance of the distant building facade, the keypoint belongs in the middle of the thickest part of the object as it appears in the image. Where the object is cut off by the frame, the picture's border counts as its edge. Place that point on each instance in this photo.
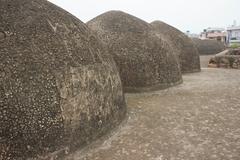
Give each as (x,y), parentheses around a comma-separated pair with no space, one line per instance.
(218,34)
(233,36)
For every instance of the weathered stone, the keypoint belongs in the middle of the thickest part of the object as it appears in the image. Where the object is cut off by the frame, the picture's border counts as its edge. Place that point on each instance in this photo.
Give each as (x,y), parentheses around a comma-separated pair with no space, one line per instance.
(145,61)
(182,44)
(230,58)
(2,35)
(59,87)
(208,47)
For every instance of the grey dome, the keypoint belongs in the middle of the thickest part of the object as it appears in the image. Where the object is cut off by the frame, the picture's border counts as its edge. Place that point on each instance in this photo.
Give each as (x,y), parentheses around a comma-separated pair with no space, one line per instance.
(59,88)
(208,47)
(182,44)
(145,62)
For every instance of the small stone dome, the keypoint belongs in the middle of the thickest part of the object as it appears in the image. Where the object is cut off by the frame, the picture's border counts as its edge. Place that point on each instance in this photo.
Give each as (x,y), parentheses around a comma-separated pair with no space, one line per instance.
(182,44)
(208,47)
(145,62)
(59,87)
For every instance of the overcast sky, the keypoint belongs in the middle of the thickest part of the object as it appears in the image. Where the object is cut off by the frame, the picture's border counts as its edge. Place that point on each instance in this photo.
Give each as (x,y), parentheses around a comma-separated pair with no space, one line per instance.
(192,15)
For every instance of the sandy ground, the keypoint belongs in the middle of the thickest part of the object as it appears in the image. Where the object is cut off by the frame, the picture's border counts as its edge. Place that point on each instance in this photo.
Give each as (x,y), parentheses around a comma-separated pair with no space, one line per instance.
(204,60)
(197,120)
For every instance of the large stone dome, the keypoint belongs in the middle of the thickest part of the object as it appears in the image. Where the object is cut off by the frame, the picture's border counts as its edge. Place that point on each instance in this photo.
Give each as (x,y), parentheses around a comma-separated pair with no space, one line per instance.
(208,47)
(182,44)
(145,61)
(59,88)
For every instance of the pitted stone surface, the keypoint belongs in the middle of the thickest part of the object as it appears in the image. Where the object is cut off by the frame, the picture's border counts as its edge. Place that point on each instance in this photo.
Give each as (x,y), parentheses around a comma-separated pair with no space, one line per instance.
(59,87)
(230,58)
(183,46)
(2,35)
(208,47)
(145,61)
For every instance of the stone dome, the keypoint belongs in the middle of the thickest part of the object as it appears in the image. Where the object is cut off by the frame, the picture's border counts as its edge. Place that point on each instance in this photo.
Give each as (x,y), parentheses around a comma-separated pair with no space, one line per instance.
(182,44)
(208,47)
(145,62)
(59,87)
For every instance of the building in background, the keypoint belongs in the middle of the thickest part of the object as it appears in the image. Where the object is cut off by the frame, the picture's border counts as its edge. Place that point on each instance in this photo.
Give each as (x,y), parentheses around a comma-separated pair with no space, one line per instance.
(233,35)
(218,34)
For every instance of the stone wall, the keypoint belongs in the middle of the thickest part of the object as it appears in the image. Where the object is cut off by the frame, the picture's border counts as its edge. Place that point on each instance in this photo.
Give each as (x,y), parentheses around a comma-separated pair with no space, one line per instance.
(229,58)
(145,61)
(59,87)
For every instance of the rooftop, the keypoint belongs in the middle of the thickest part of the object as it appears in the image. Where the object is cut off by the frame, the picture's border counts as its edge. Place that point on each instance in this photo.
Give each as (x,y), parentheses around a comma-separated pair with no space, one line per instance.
(233,28)
(215,29)
(216,34)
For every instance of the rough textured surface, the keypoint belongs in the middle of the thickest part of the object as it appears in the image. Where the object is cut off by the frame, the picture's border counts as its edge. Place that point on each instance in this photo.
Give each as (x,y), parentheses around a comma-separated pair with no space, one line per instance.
(59,88)
(198,120)
(229,58)
(208,47)
(183,46)
(145,61)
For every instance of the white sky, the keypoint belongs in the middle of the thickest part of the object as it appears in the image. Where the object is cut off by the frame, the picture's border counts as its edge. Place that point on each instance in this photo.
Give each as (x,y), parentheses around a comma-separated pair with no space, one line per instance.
(193,15)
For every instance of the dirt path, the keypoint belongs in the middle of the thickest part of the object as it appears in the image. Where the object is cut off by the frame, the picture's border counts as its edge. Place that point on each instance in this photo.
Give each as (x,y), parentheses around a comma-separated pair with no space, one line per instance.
(198,120)
(204,60)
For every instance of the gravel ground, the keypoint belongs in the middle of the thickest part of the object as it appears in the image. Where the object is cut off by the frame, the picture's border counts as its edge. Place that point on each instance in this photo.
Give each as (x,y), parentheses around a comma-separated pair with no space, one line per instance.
(197,120)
